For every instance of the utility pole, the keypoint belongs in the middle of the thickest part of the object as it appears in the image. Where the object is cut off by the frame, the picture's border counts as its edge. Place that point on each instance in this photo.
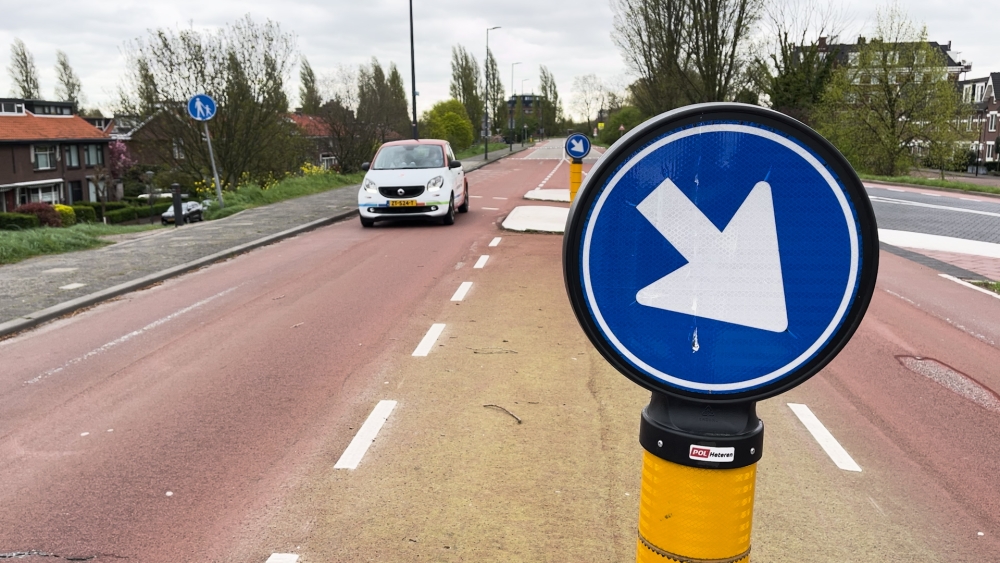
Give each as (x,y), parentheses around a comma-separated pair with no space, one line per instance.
(413,75)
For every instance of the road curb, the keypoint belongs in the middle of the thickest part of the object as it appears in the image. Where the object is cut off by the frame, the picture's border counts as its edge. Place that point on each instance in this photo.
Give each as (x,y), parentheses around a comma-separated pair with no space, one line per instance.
(34,319)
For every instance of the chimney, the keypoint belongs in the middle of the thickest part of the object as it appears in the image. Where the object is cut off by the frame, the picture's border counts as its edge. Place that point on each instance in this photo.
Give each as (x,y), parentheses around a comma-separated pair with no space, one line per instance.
(822,43)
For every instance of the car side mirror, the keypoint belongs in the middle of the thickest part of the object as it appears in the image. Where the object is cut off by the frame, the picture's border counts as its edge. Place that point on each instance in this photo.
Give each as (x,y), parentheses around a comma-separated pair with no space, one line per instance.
(455,164)
(365,166)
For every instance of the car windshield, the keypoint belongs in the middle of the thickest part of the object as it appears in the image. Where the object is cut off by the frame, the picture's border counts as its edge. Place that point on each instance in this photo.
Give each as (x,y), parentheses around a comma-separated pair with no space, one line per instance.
(409,156)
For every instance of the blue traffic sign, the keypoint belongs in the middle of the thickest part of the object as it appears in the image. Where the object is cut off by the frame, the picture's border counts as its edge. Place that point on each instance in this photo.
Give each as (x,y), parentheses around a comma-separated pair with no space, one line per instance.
(577,145)
(721,252)
(201,107)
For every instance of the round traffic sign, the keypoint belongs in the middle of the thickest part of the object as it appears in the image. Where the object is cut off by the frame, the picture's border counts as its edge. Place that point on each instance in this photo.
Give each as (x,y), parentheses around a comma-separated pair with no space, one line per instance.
(201,107)
(577,145)
(723,252)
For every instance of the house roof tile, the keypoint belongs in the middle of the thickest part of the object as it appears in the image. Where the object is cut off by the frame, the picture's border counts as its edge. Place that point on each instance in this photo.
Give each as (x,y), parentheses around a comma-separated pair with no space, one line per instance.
(311,125)
(30,127)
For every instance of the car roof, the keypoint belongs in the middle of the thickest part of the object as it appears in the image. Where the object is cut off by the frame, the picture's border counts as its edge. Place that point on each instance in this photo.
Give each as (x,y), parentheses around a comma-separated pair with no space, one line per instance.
(404,142)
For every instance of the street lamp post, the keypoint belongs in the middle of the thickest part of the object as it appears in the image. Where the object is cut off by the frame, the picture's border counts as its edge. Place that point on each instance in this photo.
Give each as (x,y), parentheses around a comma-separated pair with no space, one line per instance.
(981,109)
(512,107)
(486,122)
(524,126)
(413,74)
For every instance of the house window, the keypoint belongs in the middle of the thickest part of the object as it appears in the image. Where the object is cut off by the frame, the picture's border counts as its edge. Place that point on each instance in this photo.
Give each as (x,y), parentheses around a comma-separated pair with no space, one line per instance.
(46,194)
(989,151)
(968,125)
(12,107)
(72,157)
(178,149)
(979,92)
(44,157)
(327,161)
(993,122)
(93,155)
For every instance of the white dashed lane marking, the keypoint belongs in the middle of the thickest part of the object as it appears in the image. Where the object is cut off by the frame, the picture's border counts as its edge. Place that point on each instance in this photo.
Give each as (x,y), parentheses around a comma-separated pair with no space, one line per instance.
(462,291)
(366,435)
(72,286)
(481,262)
(282,558)
(495,241)
(491,209)
(429,339)
(826,440)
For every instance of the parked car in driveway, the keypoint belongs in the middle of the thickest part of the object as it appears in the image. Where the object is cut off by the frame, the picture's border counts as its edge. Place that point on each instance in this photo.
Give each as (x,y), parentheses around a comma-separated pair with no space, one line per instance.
(413,179)
(192,212)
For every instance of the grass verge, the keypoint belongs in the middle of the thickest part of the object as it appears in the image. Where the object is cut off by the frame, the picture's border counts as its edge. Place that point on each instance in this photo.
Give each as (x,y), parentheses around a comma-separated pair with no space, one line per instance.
(932,183)
(475,150)
(992,286)
(20,245)
(252,195)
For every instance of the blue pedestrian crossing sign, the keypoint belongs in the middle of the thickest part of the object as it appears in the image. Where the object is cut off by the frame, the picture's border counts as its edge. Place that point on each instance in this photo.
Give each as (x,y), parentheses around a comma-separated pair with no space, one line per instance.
(721,252)
(201,107)
(577,145)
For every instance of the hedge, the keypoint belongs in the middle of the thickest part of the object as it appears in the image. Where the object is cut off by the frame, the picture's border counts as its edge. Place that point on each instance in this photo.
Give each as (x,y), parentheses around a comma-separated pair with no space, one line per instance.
(18,221)
(46,214)
(120,215)
(109,206)
(85,214)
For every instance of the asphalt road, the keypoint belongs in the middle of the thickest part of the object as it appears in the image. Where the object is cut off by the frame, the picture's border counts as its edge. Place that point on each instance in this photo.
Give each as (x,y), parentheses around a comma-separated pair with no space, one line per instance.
(949,214)
(201,419)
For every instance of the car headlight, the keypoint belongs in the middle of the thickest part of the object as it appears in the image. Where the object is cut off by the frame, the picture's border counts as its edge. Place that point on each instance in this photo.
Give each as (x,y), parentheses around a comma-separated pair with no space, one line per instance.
(435,183)
(370,186)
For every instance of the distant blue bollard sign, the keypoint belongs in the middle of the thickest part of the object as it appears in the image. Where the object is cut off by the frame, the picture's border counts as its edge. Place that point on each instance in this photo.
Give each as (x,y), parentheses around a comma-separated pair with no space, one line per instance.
(721,252)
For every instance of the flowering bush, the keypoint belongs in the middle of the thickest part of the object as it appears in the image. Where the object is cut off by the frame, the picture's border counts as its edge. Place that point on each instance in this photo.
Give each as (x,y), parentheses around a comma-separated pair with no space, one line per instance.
(310,169)
(47,215)
(66,214)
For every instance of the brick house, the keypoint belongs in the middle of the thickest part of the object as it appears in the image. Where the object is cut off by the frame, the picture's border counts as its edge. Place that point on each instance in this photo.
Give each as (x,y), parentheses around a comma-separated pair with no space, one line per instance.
(47,153)
(981,94)
(317,131)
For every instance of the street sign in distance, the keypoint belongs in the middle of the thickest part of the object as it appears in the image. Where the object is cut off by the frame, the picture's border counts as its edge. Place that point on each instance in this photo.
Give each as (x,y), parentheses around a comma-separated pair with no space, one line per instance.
(721,252)
(201,107)
(577,145)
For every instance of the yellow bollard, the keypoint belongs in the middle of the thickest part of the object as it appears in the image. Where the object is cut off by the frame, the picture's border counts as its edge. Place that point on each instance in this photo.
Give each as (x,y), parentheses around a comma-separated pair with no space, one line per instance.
(575,177)
(694,514)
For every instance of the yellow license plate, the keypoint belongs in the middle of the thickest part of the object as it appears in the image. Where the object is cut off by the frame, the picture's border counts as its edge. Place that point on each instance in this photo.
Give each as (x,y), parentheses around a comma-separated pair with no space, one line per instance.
(403,203)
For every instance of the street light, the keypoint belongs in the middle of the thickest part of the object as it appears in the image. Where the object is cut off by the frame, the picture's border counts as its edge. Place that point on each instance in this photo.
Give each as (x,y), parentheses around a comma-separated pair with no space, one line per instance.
(524,125)
(413,74)
(486,121)
(512,107)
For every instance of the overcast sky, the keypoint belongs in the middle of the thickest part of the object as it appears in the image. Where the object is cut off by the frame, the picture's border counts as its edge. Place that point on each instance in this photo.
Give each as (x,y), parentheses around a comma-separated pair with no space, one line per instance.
(570,38)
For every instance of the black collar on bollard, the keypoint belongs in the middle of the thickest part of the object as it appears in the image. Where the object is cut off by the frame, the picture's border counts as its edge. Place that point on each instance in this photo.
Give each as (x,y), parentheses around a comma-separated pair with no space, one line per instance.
(699,434)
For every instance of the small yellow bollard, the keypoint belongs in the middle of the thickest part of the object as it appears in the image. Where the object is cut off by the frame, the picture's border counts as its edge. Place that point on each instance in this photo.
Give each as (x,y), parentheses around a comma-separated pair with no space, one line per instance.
(691,513)
(575,177)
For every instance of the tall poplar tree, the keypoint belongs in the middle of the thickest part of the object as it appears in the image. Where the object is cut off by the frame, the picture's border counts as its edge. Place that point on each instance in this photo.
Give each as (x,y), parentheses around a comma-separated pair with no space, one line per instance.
(309,97)
(496,103)
(23,71)
(68,88)
(398,111)
(465,85)
(549,105)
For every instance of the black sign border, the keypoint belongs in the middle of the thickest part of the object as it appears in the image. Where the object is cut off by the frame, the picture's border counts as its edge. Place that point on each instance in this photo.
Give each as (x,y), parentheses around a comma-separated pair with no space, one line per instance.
(641,136)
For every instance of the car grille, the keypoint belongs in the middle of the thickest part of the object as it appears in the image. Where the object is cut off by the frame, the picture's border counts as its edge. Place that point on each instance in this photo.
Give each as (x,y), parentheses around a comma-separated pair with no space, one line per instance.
(408,191)
(401,210)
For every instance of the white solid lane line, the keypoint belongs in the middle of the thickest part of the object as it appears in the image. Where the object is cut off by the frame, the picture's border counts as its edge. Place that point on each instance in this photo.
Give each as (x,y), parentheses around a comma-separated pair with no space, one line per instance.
(282,558)
(482,261)
(969,285)
(826,440)
(365,436)
(491,209)
(462,290)
(925,241)
(495,241)
(931,206)
(429,339)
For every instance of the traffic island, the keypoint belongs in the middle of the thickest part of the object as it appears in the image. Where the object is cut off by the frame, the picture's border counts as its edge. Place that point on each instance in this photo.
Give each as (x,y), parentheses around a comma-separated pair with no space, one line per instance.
(537,218)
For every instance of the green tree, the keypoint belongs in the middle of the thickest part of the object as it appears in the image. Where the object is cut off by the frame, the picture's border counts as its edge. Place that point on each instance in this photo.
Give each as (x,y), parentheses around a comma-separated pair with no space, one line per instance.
(497,102)
(244,68)
(447,120)
(549,106)
(465,84)
(397,108)
(627,117)
(893,102)
(23,71)
(68,88)
(309,97)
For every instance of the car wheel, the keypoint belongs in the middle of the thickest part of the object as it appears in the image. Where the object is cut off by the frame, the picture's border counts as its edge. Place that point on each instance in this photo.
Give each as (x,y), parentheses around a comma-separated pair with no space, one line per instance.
(199,218)
(367,222)
(464,208)
(449,218)
(164,223)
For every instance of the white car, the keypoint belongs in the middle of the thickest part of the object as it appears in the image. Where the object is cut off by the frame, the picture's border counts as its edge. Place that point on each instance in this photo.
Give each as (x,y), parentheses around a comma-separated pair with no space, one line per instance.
(192,212)
(413,179)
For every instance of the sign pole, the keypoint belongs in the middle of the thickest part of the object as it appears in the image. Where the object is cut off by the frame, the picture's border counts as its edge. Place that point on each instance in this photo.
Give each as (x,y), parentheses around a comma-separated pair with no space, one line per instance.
(215,171)
(577,147)
(692,260)
(575,177)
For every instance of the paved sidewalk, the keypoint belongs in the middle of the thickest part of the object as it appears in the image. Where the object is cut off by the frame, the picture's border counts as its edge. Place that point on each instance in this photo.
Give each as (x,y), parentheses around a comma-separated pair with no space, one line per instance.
(39,289)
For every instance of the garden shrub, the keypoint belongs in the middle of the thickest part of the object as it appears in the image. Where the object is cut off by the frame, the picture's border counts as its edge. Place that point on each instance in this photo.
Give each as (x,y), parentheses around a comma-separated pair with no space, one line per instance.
(66,214)
(47,215)
(120,215)
(18,221)
(85,214)
(159,208)
(143,212)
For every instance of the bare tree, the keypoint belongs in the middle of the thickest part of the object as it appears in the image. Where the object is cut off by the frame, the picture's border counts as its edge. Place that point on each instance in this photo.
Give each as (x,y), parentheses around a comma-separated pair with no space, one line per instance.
(549,105)
(497,102)
(354,133)
(588,96)
(683,51)
(23,71)
(68,87)
(465,84)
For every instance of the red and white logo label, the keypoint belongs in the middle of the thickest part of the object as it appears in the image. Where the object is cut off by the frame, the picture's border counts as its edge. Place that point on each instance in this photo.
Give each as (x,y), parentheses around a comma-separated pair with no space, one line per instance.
(708,453)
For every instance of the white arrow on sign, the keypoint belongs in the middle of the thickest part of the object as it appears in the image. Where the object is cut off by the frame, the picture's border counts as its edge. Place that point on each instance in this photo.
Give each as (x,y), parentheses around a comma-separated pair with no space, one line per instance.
(576,145)
(733,275)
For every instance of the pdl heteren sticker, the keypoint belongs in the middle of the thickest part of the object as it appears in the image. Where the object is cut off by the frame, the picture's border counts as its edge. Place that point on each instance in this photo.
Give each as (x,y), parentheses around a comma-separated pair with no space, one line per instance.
(707,453)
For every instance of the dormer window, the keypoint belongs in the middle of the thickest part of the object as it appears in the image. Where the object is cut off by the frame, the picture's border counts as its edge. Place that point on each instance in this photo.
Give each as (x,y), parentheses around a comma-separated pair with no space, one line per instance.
(16,108)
